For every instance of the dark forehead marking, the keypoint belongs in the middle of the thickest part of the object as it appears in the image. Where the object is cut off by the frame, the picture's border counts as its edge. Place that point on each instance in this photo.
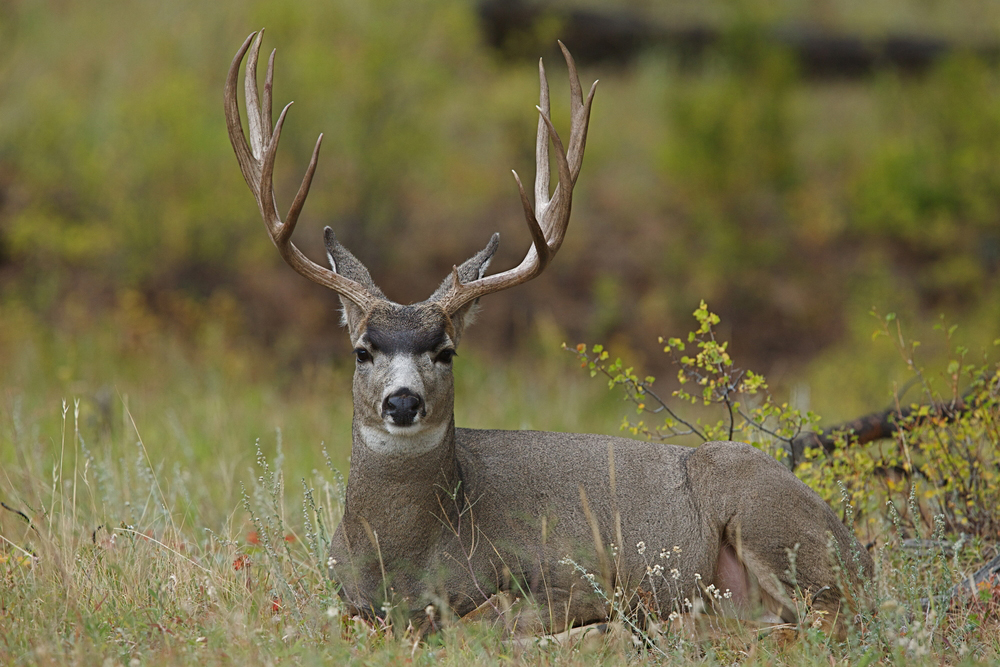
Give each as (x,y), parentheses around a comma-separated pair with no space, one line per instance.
(406,329)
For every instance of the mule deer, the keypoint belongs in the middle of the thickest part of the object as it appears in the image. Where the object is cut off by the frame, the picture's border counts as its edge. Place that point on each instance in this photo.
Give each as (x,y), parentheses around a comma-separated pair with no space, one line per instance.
(441,518)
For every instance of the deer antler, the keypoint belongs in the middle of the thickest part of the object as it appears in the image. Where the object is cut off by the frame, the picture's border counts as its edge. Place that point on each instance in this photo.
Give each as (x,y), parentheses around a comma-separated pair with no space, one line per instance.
(548,220)
(257,164)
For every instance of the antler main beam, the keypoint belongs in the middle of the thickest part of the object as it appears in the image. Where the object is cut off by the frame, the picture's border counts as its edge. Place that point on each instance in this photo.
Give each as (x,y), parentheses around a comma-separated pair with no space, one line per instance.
(548,219)
(257,164)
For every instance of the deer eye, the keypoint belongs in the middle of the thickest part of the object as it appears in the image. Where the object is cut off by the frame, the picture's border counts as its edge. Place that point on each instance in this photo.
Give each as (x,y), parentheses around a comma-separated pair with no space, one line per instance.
(363,355)
(445,356)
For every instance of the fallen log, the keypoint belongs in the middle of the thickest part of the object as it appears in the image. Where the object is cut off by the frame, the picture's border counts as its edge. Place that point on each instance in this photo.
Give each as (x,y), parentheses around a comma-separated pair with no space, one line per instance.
(886,423)
(619,36)
(871,427)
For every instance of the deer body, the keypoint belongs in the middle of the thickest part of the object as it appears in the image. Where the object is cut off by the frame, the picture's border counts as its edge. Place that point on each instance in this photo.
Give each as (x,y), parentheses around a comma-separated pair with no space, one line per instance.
(499,511)
(449,517)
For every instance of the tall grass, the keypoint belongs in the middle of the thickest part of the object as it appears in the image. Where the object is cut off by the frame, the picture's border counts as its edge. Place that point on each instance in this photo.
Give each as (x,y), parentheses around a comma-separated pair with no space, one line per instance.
(169,501)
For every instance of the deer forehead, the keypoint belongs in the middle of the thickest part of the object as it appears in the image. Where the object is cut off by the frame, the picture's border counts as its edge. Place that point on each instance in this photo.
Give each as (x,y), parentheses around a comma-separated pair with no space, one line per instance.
(406,330)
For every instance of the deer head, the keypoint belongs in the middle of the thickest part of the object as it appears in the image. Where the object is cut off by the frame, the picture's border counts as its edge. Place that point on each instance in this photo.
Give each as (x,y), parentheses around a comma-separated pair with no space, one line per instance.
(403,386)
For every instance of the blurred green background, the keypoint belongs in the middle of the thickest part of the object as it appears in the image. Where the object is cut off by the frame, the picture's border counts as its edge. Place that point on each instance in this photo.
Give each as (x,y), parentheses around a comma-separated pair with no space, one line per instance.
(132,254)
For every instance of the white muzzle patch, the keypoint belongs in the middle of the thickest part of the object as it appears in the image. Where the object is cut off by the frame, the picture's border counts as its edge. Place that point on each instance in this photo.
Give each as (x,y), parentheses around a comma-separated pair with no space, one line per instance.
(403,440)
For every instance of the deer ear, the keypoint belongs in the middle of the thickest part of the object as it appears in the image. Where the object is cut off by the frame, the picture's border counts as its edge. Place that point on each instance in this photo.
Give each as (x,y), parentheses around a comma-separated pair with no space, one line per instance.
(344,263)
(471,269)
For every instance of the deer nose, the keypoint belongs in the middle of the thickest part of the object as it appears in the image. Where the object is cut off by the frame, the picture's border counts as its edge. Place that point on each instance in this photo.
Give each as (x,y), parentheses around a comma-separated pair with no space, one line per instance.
(402,406)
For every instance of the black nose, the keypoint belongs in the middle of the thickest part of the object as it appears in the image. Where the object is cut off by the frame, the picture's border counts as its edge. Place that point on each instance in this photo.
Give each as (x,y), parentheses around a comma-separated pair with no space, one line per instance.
(402,406)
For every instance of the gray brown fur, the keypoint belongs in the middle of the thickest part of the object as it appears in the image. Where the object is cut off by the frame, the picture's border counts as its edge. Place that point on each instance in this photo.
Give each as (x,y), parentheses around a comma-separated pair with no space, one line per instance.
(666,496)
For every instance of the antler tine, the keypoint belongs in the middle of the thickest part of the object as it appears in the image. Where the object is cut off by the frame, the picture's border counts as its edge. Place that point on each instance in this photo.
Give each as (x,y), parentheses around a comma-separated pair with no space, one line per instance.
(265,191)
(548,219)
(255,124)
(268,89)
(256,161)
(580,114)
(248,166)
(542,140)
(555,213)
(539,244)
(300,196)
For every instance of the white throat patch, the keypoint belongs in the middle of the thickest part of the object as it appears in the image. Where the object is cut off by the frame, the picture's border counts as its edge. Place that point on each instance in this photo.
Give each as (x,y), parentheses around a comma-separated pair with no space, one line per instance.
(407,441)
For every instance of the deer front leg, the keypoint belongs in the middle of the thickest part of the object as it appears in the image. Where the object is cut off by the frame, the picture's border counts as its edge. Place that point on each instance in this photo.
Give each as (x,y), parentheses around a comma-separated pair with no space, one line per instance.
(523,622)
(518,617)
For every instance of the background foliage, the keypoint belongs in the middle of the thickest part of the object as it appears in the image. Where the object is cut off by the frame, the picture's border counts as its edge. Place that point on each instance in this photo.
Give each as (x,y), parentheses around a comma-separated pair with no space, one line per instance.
(792,205)
(135,279)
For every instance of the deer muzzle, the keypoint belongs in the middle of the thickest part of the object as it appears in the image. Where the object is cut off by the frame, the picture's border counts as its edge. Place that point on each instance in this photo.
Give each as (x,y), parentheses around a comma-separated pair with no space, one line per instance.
(402,407)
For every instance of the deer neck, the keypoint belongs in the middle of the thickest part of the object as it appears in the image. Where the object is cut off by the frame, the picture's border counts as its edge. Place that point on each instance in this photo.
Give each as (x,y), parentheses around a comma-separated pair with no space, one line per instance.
(396,480)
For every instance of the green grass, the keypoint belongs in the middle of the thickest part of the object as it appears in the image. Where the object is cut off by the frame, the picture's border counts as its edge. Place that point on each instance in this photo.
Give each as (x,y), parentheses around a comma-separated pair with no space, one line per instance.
(167,497)
(135,459)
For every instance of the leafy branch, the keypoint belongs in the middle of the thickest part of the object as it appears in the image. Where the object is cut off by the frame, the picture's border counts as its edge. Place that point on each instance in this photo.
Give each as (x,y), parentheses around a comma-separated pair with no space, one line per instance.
(706,375)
